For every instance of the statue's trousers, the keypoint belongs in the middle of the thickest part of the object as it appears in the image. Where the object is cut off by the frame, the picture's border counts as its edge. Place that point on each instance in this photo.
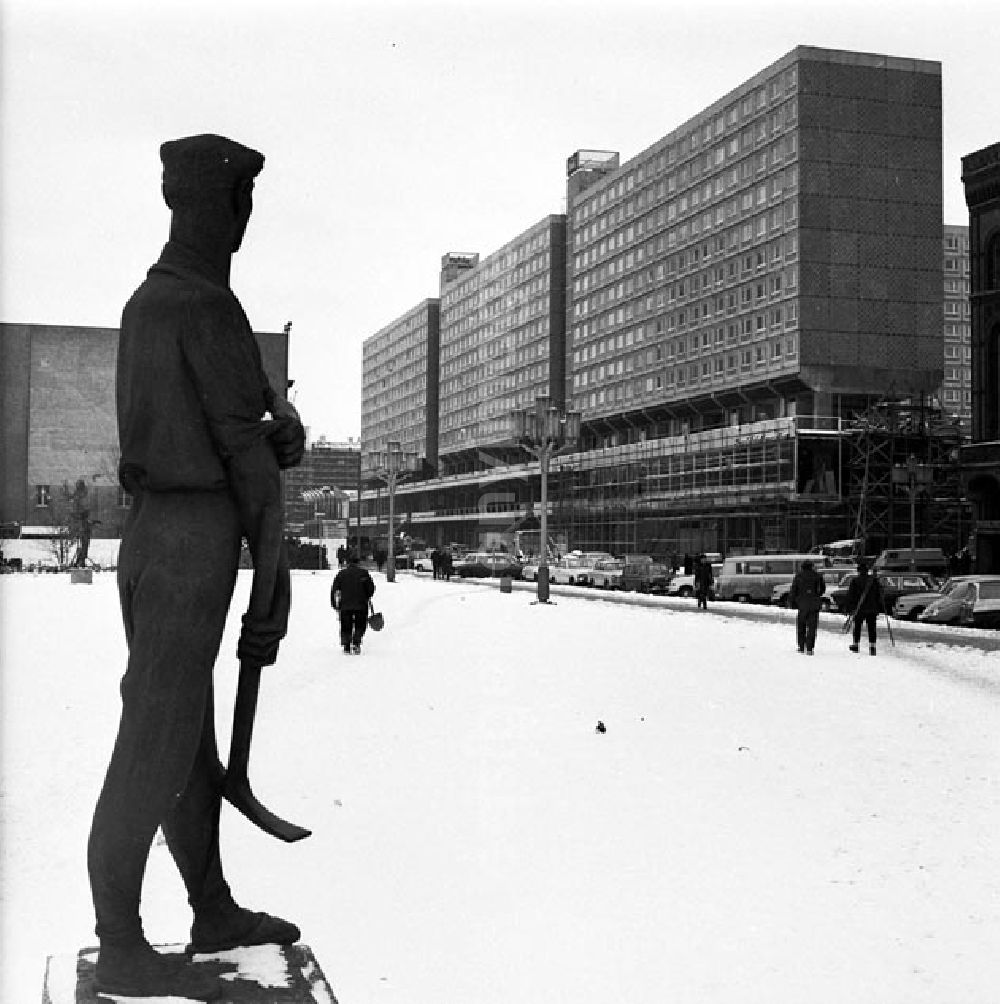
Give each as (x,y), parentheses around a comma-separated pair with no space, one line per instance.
(176,573)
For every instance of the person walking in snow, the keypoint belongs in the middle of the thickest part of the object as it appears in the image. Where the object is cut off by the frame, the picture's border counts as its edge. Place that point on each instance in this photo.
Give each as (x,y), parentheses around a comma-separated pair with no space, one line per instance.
(865,601)
(352,589)
(702,581)
(805,596)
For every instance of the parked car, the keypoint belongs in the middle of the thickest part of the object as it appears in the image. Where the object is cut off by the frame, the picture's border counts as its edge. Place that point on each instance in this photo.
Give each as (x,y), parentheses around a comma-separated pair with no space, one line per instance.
(422,563)
(831,576)
(588,559)
(909,606)
(487,564)
(893,584)
(570,570)
(973,602)
(607,574)
(682,584)
(642,574)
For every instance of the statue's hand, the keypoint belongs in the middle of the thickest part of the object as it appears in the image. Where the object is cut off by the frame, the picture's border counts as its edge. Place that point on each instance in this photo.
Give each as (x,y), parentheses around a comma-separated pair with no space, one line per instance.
(286,433)
(261,635)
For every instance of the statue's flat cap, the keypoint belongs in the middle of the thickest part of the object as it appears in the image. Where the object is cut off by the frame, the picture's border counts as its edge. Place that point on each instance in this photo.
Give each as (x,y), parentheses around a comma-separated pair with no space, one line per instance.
(198,163)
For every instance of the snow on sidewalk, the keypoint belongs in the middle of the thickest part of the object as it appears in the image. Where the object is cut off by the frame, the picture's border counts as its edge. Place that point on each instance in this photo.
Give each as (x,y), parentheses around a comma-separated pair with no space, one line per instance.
(753,826)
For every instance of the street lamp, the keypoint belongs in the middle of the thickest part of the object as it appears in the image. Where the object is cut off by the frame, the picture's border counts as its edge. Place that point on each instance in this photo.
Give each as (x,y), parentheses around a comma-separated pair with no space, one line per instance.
(545,431)
(913,474)
(391,465)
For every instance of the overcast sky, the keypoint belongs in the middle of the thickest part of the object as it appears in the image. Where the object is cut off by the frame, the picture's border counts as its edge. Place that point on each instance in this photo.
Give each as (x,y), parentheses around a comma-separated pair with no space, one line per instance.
(393,133)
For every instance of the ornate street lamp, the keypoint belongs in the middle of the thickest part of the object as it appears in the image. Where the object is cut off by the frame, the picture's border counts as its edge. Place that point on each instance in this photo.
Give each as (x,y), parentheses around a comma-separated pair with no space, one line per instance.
(916,476)
(545,431)
(391,465)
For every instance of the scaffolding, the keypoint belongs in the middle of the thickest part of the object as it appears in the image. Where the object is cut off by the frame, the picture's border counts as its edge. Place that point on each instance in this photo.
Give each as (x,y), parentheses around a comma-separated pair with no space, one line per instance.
(885,437)
(784,484)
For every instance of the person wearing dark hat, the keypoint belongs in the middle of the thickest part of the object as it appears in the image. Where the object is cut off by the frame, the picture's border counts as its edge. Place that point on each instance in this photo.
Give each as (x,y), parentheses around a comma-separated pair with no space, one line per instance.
(352,589)
(865,603)
(805,595)
(201,462)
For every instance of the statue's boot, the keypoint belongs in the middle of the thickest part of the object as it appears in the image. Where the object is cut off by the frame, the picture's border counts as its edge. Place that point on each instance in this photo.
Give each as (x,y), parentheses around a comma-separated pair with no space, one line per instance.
(238,928)
(141,971)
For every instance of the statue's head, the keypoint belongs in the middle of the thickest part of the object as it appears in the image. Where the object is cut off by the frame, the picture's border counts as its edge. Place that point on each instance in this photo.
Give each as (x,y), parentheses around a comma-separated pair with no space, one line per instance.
(208,182)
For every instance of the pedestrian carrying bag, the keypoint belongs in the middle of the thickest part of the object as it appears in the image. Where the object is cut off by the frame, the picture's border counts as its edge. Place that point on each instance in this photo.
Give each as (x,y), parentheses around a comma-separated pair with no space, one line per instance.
(376,621)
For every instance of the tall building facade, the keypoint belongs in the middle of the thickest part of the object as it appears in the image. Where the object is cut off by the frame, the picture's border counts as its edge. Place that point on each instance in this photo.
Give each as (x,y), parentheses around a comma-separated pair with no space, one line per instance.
(752,327)
(502,339)
(399,383)
(955,394)
(776,255)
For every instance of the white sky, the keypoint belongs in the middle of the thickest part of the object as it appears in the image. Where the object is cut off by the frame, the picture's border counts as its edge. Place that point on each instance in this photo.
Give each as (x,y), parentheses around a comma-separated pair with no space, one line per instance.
(393,133)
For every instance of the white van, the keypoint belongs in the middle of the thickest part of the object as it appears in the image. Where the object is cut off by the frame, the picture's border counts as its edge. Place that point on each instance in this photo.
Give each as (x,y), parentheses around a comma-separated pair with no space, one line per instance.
(926,559)
(751,578)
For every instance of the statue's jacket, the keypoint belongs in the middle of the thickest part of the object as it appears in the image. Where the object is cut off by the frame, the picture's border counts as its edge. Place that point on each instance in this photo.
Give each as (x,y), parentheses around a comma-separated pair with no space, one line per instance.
(191,388)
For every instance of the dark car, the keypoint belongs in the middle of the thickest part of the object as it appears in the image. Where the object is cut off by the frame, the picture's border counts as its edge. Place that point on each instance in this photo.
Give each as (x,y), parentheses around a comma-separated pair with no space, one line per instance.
(643,575)
(893,584)
(487,564)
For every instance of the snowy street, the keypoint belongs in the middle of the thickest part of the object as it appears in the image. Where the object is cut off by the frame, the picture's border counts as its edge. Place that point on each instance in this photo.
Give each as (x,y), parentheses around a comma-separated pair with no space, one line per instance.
(754,826)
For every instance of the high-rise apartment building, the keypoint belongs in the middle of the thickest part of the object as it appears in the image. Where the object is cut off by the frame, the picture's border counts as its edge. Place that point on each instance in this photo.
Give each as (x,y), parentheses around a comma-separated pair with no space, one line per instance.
(740,300)
(956,388)
(399,383)
(778,254)
(502,339)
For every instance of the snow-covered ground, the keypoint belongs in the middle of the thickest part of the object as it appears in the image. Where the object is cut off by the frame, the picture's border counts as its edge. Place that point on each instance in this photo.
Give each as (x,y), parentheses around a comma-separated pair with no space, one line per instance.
(754,826)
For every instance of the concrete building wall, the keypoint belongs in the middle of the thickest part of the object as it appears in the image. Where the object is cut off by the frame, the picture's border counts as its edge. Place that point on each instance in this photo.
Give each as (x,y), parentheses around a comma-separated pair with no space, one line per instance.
(785,238)
(955,394)
(870,221)
(59,415)
(396,362)
(502,337)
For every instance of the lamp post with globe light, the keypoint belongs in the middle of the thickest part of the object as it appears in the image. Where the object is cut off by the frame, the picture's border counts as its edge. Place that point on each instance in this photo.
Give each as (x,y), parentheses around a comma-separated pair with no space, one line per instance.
(544,431)
(391,465)
(917,477)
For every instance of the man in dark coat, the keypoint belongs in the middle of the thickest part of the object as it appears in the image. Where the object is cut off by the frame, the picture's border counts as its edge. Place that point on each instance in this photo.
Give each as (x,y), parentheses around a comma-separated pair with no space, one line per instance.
(353,588)
(202,466)
(702,581)
(865,603)
(805,595)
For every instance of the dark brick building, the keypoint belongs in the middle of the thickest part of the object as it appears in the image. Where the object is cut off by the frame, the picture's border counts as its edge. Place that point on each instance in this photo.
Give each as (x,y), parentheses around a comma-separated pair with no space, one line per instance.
(981,459)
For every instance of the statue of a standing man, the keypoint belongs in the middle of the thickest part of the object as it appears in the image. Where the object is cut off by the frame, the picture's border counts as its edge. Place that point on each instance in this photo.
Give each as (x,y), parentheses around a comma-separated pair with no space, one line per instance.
(202,466)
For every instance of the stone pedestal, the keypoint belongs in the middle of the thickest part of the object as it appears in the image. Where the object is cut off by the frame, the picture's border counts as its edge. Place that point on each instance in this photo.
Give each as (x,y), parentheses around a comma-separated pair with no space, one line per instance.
(84,575)
(265,974)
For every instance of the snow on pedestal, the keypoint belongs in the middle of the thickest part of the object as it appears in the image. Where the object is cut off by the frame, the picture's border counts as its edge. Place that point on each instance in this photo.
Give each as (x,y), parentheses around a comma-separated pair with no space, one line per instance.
(264,974)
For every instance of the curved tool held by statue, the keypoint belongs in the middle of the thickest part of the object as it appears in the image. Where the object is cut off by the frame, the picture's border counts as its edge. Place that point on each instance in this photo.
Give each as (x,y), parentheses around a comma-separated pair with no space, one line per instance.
(235,782)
